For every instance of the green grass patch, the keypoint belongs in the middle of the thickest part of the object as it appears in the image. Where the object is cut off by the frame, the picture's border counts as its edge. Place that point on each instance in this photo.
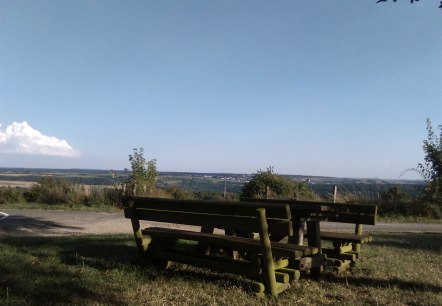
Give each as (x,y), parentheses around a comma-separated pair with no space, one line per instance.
(407,219)
(68,207)
(397,269)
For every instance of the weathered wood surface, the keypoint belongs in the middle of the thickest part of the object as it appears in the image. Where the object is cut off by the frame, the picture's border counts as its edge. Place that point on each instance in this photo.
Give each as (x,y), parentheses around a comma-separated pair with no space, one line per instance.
(346,246)
(237,243)
(346,237)
(269,262)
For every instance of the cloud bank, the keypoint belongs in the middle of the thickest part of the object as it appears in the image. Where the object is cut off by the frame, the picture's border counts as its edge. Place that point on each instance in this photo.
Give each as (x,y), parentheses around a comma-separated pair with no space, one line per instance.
(21,138)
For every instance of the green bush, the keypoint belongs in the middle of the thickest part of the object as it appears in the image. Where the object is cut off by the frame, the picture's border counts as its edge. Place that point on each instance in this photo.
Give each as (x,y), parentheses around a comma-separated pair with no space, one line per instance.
(429,210)
(9,195)
(267,184)
(179,193)
(431,171)
(103,196)
(393,201)
(56,191)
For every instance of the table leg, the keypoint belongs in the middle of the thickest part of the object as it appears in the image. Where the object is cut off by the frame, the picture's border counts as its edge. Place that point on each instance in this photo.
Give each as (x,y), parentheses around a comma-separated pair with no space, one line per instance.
(298,233)
(313,235)
(314,240)
(204,248)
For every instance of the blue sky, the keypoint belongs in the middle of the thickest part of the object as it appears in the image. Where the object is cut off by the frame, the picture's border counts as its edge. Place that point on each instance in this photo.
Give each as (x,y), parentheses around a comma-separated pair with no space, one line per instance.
(333,88)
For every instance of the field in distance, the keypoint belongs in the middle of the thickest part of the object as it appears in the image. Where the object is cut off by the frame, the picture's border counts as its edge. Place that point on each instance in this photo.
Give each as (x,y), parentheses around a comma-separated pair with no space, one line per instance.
(218,182)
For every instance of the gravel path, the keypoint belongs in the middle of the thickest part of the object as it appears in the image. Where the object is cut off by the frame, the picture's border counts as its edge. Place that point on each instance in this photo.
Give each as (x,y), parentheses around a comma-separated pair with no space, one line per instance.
(54,223)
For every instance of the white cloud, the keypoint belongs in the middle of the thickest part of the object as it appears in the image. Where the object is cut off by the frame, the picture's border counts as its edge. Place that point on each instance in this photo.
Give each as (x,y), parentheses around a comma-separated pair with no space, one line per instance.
(21,138)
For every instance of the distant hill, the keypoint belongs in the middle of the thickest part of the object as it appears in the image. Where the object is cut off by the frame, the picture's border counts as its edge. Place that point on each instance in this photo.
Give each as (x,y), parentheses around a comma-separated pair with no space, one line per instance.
(368,187)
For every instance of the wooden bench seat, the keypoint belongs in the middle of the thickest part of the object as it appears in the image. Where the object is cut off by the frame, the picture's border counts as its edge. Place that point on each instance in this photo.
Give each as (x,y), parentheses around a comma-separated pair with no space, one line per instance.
(346,247)
(222,241)
(270,263)
(346,237)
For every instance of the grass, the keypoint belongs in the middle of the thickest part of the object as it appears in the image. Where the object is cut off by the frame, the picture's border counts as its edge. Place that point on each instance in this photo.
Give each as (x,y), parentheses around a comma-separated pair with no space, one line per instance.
(69,207)
(397,269)
(407,219)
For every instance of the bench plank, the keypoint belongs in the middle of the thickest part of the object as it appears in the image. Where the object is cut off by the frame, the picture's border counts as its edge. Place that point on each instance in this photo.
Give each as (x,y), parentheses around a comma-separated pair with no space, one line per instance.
(346,237)
(278,211)
(244,223)
(245,244)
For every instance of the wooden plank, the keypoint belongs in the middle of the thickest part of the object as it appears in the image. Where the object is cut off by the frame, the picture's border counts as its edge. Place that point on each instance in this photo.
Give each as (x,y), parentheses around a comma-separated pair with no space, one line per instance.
(239,243)
(244,223)
(313,230)
(292,273)
(267,256)
(280,287)
(282,277)
(369,209)
(244,244)
(279,211)
(280,264)
(345,237)
(342,247)
(331,253)
(142,243)
(351,208)
(358,231)
(313,235)
(307,215)
(292,250)
(298,233)
(339,265)
(309,262)
(354,218)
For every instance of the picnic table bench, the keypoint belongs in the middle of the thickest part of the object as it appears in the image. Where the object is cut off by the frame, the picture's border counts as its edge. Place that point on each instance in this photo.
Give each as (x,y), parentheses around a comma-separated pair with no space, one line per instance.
(346,247)
(271,264)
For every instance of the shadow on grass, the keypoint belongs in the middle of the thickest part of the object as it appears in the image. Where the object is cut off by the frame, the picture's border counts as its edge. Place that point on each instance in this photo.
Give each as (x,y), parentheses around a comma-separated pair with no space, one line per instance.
(410,241)
(98,269)
(25,225)
(222,280)
(70,269)
(359,281)
(62,270)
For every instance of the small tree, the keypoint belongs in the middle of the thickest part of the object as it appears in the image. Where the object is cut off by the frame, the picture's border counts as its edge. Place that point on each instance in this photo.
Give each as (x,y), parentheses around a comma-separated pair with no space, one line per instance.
(394,201)
(267,184)
(431,169)
(142,180)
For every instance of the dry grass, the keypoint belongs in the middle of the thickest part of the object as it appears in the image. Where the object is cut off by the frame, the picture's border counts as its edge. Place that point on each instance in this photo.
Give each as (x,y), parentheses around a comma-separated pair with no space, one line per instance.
(19,184)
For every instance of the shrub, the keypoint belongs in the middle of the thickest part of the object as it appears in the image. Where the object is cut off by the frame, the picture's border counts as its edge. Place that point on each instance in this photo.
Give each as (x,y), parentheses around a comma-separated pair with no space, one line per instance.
(179,193)
(267,184)
(142,180)
(431,169)
(427,209)
(103,196)
(56,191)
(10,195)
(393,201)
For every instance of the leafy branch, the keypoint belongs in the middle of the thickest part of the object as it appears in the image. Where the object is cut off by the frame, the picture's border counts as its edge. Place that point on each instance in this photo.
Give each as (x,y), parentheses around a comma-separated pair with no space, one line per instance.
(411,1)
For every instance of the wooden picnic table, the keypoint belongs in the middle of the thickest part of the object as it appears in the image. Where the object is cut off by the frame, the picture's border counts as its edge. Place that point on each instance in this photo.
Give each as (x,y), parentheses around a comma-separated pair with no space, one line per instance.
(271,263)
(346,246)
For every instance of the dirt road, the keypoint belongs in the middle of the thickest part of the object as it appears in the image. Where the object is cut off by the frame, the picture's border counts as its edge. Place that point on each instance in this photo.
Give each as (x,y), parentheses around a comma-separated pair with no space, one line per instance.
(54,223)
